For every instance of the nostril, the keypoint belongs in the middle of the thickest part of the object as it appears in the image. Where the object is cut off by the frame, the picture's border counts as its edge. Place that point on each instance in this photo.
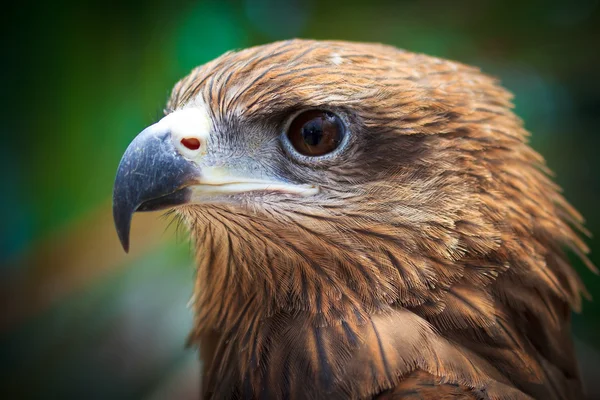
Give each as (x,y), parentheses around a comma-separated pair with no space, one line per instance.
(191,143)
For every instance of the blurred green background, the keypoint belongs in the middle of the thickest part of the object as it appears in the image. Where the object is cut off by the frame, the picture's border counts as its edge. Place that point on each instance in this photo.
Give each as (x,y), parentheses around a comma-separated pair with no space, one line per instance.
(80,319)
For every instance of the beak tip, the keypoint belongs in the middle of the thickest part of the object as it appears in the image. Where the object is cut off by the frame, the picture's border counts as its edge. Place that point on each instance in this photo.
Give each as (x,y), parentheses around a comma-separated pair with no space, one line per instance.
(124,238)
(124,243)
(122,220)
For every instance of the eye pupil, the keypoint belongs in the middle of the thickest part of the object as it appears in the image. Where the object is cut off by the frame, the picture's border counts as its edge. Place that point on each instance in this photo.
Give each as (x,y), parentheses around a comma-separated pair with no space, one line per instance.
(312,132)
(315,133)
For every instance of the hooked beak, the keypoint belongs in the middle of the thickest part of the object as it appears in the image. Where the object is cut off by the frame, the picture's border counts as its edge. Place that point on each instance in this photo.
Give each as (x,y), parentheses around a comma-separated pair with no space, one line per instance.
(158,171)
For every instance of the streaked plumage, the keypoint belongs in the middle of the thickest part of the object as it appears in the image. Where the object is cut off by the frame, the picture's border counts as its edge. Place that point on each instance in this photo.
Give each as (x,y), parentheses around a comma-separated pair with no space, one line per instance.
(429,265)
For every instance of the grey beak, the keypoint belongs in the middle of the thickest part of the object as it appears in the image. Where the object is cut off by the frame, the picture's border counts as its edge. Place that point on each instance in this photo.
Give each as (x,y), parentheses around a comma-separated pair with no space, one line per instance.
(152,175)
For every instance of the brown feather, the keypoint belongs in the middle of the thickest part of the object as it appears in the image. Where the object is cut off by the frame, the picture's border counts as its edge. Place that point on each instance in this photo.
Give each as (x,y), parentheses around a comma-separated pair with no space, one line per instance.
(432,268)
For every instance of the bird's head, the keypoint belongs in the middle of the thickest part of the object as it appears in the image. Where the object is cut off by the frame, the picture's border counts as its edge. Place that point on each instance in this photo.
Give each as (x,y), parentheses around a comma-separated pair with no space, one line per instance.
(340,178)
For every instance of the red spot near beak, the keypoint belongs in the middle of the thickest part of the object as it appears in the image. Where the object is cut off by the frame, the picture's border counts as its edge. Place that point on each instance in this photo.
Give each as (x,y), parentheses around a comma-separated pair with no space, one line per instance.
(191,143)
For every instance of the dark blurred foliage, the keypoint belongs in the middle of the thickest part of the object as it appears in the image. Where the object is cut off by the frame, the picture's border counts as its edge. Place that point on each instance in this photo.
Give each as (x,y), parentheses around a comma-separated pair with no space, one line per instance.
(80,79)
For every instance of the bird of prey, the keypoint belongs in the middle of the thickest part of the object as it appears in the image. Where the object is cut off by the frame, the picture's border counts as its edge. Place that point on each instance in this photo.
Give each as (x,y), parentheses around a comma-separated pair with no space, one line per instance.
(368,223)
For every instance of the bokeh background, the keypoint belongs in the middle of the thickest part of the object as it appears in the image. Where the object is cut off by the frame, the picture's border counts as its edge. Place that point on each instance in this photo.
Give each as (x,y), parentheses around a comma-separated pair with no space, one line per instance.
(79,317)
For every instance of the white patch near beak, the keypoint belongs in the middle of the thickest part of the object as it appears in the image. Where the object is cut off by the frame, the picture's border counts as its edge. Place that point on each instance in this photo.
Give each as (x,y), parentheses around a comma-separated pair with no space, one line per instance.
(194,122)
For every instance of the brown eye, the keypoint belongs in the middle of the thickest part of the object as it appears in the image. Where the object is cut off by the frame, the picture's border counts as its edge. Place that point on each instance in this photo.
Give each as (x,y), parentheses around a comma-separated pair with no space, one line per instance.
(315,133)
